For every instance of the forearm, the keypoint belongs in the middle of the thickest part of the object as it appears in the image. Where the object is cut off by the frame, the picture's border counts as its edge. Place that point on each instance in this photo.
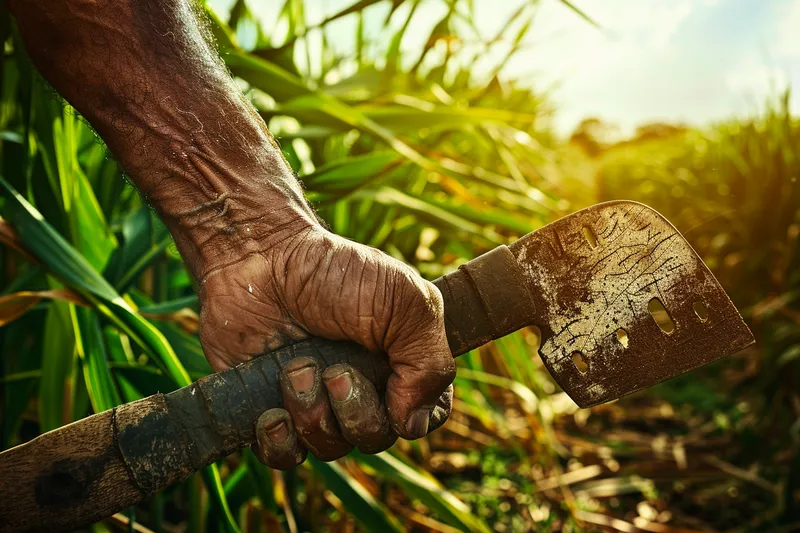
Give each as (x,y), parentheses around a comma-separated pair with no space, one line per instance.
(143,74)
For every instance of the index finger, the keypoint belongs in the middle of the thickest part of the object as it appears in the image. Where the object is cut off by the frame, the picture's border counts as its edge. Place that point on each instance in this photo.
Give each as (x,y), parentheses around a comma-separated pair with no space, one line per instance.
(422,364)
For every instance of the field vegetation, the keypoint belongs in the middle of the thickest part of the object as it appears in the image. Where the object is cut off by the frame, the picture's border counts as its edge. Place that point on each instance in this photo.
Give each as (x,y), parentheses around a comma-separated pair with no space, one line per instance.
(412,152)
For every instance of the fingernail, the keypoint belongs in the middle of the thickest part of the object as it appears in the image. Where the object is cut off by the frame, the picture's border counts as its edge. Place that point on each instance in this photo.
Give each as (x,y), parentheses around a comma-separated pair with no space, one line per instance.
(302,380)
(340,387)
(278,433)
(417,424)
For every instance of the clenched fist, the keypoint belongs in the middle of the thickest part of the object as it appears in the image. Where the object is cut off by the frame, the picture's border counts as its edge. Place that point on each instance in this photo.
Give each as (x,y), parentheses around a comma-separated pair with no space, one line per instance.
(313,282)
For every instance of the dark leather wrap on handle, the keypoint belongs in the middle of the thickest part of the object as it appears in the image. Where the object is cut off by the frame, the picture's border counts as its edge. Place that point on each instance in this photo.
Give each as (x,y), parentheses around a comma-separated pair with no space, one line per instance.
(89,469)
(486,298)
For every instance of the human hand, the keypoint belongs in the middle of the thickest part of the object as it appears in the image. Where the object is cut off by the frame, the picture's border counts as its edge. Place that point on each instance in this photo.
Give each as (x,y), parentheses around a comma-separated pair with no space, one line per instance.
(308,281)
(144,75)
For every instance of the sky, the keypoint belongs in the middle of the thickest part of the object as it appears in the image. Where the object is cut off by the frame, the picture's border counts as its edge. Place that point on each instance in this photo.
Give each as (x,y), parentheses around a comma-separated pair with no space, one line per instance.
(689,61)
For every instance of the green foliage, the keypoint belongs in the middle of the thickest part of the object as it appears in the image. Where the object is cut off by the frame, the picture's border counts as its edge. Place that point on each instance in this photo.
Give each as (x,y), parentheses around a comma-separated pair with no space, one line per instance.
(410,151)
(733,191)
(385,164)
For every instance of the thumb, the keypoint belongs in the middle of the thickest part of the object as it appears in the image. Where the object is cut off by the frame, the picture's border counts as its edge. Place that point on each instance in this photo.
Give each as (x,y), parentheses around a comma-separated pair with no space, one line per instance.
(422,364)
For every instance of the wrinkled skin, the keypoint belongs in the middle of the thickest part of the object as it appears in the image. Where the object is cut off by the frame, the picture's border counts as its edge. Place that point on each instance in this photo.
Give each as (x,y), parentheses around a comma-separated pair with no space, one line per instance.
(151,84)
(318,283)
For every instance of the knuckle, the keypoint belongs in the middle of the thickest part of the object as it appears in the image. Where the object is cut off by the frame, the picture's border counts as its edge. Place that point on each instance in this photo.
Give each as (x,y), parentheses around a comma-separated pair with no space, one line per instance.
(362,427)
(298,362)
(431,381)
(433,296)
(423,296)
(367,425)
(419,312)
(437,372)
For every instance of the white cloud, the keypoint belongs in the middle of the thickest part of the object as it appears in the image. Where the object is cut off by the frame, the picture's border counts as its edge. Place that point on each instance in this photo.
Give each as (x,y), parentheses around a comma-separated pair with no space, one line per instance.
(787,32)
(755,76)
(622,73)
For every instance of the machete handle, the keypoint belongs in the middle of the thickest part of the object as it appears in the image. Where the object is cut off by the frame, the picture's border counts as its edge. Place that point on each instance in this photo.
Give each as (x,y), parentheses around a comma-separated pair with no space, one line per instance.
(89,469)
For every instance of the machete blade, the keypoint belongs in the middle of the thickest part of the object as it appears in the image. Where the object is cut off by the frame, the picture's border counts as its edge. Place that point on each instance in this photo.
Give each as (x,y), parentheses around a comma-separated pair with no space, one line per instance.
(623,302)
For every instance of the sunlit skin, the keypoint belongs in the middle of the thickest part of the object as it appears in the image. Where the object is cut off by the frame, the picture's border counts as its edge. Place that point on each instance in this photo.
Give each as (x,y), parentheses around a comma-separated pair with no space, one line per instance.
(143,74)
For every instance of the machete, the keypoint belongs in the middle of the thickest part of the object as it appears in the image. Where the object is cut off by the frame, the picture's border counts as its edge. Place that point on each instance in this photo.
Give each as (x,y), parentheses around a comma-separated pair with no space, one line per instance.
(620,297)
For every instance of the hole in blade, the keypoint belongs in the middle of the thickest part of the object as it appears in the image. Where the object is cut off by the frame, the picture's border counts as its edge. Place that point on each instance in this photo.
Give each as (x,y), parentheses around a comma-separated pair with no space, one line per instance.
(661,315)
(622,337)
(701,310)
(588,234)
(580,364)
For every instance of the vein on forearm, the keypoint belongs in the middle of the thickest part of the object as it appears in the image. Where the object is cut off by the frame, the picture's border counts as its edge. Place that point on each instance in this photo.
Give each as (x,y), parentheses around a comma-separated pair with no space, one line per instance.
(148,78)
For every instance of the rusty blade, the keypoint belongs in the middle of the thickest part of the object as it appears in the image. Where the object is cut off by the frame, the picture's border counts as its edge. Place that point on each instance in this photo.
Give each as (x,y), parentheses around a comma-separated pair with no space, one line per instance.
(624,302)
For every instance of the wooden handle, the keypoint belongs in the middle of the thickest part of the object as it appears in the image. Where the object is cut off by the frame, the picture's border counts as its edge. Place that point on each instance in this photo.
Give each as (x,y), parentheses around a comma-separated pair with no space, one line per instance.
(97,466)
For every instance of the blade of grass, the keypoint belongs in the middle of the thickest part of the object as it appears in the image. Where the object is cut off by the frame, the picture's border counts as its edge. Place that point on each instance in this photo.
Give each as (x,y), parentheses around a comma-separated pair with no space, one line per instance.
(430,213)
(423,487)
(55,387)
(13,306)
(360,503)
(21,361)
(102,389)
(284,88)
(582,14)
(213,482)
(69,265)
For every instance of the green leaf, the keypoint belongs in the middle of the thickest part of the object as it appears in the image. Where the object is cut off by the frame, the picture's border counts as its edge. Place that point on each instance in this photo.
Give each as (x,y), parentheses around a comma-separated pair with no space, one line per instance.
(580,13)
(267,76)
(294,14)
(239,488)
(482,216)
(416,115)
(87,224)
(21,361)
(360,503)
(187,347)
(393,54)
(440,31)
(93,238)
(529,401)
(58,354)
(213,482)
(120,353)
(430,213)
(47,244)
(325,109)
(357,7)
(144,238)
(263,481)
(170,306)
(350,173)
(89,343)
(139,380)
(425,488)
(71,267)
(792,353)
(64,261)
